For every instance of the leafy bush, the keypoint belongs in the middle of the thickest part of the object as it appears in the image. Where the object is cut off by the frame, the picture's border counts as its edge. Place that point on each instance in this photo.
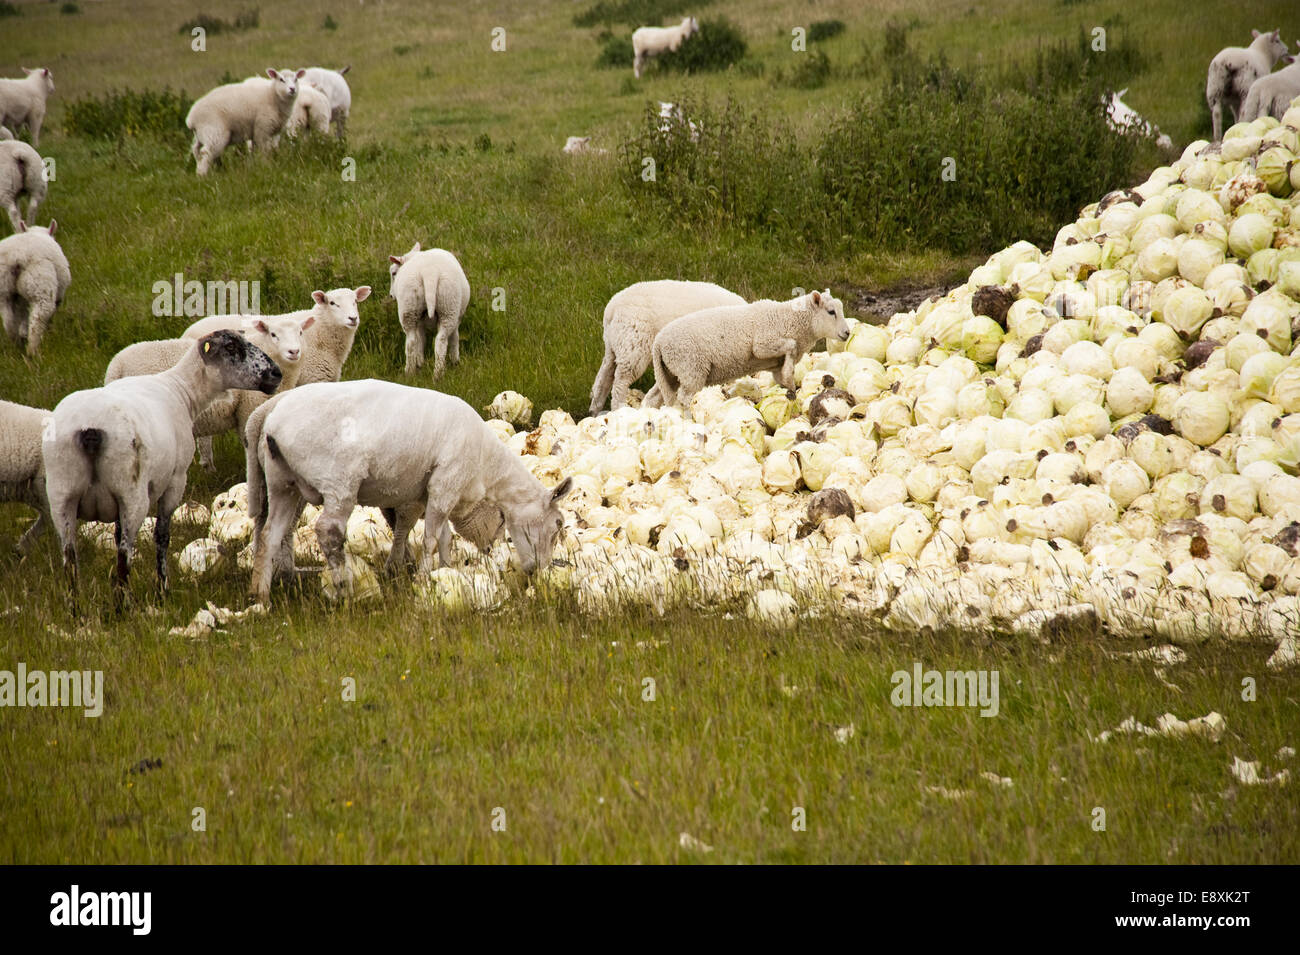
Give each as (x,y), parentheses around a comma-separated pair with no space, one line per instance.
(329,23)
(244,20)
(810,72)
(7,9)
(69,8)
(117,115)
(636,13)
(716,46)
(616,53)
(1066,64)
(825,29)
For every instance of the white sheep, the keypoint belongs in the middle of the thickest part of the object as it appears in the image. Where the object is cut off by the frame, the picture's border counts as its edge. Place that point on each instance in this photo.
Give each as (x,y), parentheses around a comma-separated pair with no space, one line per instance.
(21,173)
(1271,95)
(311,111)
(633,317)
(22,102)
(281,337)
(22,469)
(381,444)
(431,292)
(113,453)
(718,345)
(34,277)
(653,41)
(1123,118)
(255,110)
(336,90)
(1234,69)
(5,134)
(576,145)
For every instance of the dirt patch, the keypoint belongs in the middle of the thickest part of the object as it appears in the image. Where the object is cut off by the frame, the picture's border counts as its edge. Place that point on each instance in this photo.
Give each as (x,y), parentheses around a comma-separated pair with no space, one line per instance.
(878,306)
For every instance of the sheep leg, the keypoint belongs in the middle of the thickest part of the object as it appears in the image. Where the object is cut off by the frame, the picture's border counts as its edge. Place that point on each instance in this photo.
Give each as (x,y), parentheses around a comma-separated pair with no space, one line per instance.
(453,345)
(401,521)
(11,322)
(131,513)
(414,349)
(437,527)
(440,351)
(602,387)
(64,518)
(204,444)
(39,316)
(282,510)
(14,218)
(162,537)
(638,60)
(652,397)
(331,531)
(29,536)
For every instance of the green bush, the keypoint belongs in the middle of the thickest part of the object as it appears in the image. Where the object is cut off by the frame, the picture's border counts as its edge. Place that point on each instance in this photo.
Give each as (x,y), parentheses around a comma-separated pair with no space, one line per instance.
(810,72)
(329,23)
(244,20)
(716,46)
(636,13)
(7,9)
(616,53)
(129,113)
(825,29)
(69,8)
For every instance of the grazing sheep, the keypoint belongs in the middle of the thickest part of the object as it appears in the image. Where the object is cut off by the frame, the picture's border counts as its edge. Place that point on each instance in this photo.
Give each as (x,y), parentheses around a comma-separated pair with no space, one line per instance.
(431,292)
(381,444)
(22,102)
(633,318)
(652,41)
(311,111)
(575,145)
(281,337)
(1234,69)
(335,88)
(718,345)
(112,453)
(21,173)
(1123,117)
(22,469)
(255,110)
(34,277)
(1271,95)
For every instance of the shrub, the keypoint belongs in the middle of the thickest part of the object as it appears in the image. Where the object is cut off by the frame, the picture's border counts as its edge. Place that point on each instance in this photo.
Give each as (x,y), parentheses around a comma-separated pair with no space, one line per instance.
(616,53)
(245,20)
(636,13)
(7,9)
(129,113)
(811,72)
(69,8)
(329,23)
(825,29)
(716,46)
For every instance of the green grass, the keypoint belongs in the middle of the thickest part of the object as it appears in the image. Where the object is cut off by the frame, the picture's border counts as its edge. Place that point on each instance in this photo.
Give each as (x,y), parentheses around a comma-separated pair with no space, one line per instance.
(534,710)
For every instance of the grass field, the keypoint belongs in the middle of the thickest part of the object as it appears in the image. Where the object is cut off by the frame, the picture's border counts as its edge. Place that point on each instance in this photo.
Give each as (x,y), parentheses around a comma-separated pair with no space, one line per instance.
(538,710)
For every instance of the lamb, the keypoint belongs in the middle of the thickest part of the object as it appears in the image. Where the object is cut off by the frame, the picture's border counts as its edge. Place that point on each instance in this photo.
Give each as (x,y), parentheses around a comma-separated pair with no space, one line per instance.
(311,110)
(21,173)
(281,337)
(718,345)
(633,318)
(112,453)
(5,134)
(256,109)
(1122,117)
(34,278)
(575,145)
(22,102)
(652,41)
(382,444)
(1271,95)
(431,292)
(22,469)
(1234,69)
(335,88)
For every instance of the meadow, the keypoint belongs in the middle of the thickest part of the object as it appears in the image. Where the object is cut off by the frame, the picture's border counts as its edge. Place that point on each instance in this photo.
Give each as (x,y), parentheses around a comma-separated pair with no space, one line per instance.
(539,711)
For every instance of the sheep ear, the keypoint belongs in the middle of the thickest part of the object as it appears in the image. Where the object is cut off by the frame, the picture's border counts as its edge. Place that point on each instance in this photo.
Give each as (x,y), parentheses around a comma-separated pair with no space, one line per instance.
(310,321)
(54,225)
(363,293)
(414,248)
(816,297)
(343,71)
(45,72)
(1123,92)
(561,489)
(1254,33)
(318,297)
(260,325)
(272,74)
(300,74)
(395,259)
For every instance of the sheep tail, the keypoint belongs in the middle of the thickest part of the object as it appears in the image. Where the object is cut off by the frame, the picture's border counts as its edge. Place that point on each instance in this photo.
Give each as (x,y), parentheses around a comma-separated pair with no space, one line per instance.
(666,380)
(91,443)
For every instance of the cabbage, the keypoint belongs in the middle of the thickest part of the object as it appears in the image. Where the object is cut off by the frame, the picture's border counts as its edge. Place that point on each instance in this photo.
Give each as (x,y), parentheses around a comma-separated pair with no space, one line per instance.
(1258,372)
(1158,260)
(1274,167)
(1129,392)
(1249,234)
(781,472)
(1195,206)
(1285,389)
(1197,258)
(512,407)
(1087,418)
(1186,310)
(816,461)
(1152,453)
(1087,358)
(980,338)
(1125,481)
(1070,390)
(868,341)
(1241,347)
(776,409)
(1201,417)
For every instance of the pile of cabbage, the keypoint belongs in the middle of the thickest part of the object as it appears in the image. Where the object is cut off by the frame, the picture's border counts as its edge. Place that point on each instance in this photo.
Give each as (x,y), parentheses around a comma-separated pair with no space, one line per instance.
(1108,429)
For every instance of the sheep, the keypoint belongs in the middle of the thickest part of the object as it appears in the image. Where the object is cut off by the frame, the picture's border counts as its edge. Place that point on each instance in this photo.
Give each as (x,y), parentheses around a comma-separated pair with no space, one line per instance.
(1122,118)
(382,444)
(633,318)
(34,278)
(652,41)
(717,345)
(22,469)
(256,109)
(22,102)
(5,134)
(575,145)
(335,88)
(112,453)
(281,337)
(311,111)
(431,292)
(21,173)
(1271,95)
(1234,69)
